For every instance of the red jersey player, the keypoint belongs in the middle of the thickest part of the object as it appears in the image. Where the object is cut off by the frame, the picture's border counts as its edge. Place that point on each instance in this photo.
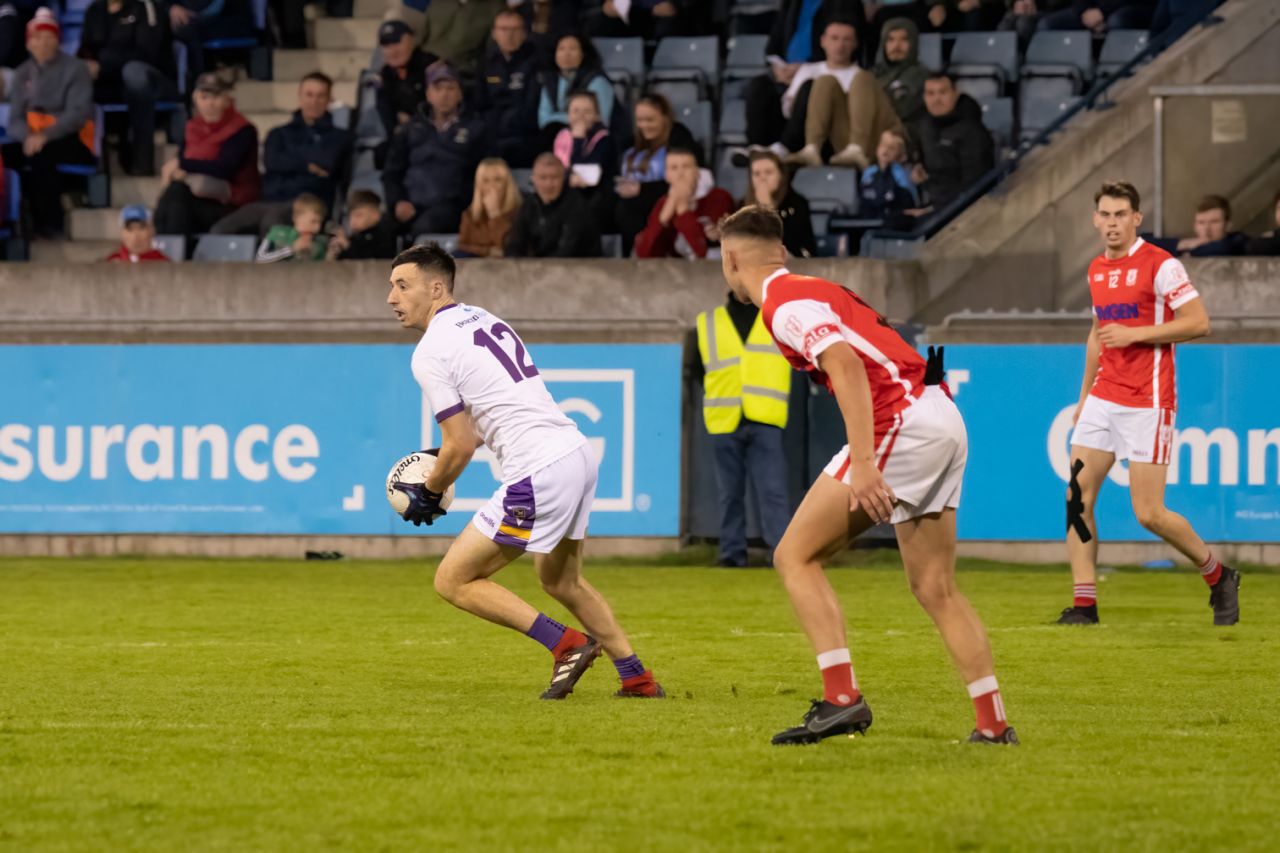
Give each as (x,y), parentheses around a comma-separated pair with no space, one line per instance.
(1143,304)
(903,464)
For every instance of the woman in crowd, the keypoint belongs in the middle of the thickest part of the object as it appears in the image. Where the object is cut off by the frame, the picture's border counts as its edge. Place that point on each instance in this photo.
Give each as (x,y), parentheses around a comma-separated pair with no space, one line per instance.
(642,175)
(587,151)
(577,67)
(771,188)
(494,206)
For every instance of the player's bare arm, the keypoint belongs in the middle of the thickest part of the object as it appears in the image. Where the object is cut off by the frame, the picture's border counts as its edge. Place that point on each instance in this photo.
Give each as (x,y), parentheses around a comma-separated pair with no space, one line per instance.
(1190,321)
(852,390)
(458,444)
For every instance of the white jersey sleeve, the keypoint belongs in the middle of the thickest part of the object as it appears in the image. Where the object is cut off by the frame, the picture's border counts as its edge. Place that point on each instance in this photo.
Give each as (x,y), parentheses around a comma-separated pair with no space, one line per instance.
(807,326)
(1173,284)
(433,375)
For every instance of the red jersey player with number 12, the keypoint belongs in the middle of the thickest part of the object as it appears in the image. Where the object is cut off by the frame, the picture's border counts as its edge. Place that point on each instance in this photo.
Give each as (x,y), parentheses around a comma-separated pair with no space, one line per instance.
(1143,304)
(903,464)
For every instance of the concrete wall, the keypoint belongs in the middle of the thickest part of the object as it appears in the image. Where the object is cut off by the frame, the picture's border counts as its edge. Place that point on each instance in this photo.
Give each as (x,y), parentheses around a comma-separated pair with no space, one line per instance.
(1027,244)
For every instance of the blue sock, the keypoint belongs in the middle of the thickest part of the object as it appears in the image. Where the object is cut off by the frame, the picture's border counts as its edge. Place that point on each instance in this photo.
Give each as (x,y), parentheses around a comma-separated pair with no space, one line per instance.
(629,667)
(546,631)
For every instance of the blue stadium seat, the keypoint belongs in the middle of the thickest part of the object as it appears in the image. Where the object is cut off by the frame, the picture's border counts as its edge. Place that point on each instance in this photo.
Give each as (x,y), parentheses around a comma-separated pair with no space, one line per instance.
(832,245)
(745,58)
(997,115)
(697,117)
(828,188)
(1120,47)
(1039,113)
(174,246)
(820,222)
(1060,53)
(929,51)
(678,92)
(733,123)
(623,59)
(73,11)
(986,56)
(732,179)
(448,242)
(71,39)
(692,58)
(225,248)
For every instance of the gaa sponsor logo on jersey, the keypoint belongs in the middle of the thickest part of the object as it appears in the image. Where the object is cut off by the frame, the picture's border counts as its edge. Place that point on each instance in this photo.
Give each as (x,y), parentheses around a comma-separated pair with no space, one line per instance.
(816,334)
(1117,311)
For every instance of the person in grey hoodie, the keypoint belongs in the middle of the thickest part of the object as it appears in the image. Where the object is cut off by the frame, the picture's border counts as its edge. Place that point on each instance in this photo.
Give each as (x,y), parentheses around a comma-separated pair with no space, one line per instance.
(50,120)
(899,69)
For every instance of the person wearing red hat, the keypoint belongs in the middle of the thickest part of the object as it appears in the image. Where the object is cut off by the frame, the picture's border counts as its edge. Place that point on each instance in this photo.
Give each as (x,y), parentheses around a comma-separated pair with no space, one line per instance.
(50,120)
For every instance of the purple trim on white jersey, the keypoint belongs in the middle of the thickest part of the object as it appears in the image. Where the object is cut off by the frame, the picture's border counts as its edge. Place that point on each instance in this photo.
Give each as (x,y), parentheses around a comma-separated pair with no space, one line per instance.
(450,412)
(519,511)
(447,307)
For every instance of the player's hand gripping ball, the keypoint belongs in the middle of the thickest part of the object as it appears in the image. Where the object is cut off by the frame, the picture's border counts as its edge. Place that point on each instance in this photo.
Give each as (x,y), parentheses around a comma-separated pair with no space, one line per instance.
(407,491)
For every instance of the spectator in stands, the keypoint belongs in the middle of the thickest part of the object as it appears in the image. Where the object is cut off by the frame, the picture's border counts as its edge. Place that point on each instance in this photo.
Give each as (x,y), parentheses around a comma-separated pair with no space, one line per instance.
(431,160)
(642,177)
(900,71)
(216,170)
(586,149)
(486,223)
(136,238)
(886,188)
(129,50)
(1023,16)
(648,19)
(1267,243)
(304,240)
(456,30)
(683,223)
(553,222)
(956,149)
(371,235)
(308,155)
(796,37)
(777,123)
(1214,237)
(850,116)
(403,87)
(576,68)
(507,92)
(14,17)
(964,16)
(195,22)
(547,20)
(1100,16)
(50,121)
(770,188)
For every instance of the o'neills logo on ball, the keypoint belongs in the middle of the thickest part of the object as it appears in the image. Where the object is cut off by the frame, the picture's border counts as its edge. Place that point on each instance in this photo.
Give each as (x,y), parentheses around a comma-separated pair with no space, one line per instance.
(404,463)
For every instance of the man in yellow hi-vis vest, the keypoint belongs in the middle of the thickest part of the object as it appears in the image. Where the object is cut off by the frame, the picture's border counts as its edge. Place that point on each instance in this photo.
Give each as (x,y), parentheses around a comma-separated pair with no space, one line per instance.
(746,386)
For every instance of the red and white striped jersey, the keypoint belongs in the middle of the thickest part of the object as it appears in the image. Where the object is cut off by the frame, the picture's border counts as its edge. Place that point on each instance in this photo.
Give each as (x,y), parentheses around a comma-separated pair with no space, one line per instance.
(1141,289)
(807,315)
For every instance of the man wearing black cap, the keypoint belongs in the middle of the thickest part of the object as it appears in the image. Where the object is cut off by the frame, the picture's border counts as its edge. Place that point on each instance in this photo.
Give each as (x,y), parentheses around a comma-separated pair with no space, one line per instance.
(404,75)
(431,161)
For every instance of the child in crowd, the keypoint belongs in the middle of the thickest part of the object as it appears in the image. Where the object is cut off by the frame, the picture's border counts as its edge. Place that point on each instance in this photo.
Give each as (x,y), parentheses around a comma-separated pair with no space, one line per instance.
(887,190)
(301,241)
(136,236)
(370,236)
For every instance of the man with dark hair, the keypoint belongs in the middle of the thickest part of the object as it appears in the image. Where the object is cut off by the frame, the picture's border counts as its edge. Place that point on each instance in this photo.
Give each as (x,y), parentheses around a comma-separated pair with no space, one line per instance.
(403,80)
(1143,306)
(310,154)
(903,464)
(485,390)
(1214,237)
(899,70)
(431,161)
(956,149)
(507,92)
(554,221)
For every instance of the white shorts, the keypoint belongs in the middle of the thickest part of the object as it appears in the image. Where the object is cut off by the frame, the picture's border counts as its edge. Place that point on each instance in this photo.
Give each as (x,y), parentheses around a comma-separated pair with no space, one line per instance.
(922,457)
(551,504)
(1139,435)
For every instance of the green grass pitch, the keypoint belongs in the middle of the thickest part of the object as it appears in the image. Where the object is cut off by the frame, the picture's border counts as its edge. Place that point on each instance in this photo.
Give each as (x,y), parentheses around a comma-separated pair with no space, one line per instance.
(206,705)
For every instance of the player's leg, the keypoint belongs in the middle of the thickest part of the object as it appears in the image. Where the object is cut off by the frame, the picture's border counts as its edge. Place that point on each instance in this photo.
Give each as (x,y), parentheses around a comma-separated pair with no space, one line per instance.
(462,579)
(821,528)
(1089,468)
(560,572)
(1146,488)
(928,547)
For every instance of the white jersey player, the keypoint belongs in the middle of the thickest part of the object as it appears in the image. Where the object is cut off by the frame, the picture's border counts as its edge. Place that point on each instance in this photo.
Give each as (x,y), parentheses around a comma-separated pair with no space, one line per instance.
(484,388)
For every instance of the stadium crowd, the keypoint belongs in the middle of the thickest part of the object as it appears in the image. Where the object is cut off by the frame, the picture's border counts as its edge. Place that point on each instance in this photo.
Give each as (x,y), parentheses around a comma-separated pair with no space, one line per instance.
(499,124)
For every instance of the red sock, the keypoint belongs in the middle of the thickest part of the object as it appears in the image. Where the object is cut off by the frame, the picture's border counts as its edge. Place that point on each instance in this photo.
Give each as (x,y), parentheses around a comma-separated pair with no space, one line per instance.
(838,684)
(988,706)
(571,640)
(644,684)
(1211,570)
(1084,595)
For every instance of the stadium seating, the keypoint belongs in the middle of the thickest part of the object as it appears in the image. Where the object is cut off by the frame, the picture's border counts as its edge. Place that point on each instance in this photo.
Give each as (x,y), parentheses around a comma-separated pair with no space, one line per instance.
(523,179)
(697,117)
(174,246)
(623,59)
(1060,54)
(929,51)
(730,178)
(733,123)
(1119,48)
(997,115)
(745,57)
(832,245)
(828,188)
(693,59)
(222,248)
(1038,114)
(611,245)
(986,63)
(448,242)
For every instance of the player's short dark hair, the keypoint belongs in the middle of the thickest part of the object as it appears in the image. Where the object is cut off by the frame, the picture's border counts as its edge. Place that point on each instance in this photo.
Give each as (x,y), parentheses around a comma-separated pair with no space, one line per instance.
(752,222)
(941,75)
(363,198)
(319,77)
(1215,202)
(429,258)
(1119,189)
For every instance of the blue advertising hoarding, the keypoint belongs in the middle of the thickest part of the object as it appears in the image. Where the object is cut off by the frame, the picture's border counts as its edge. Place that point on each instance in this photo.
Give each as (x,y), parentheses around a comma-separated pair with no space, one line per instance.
(1018,401)
(296,439)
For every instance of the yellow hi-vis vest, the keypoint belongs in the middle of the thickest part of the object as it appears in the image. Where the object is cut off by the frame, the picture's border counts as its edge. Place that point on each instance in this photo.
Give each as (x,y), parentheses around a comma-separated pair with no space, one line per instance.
(752,380)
